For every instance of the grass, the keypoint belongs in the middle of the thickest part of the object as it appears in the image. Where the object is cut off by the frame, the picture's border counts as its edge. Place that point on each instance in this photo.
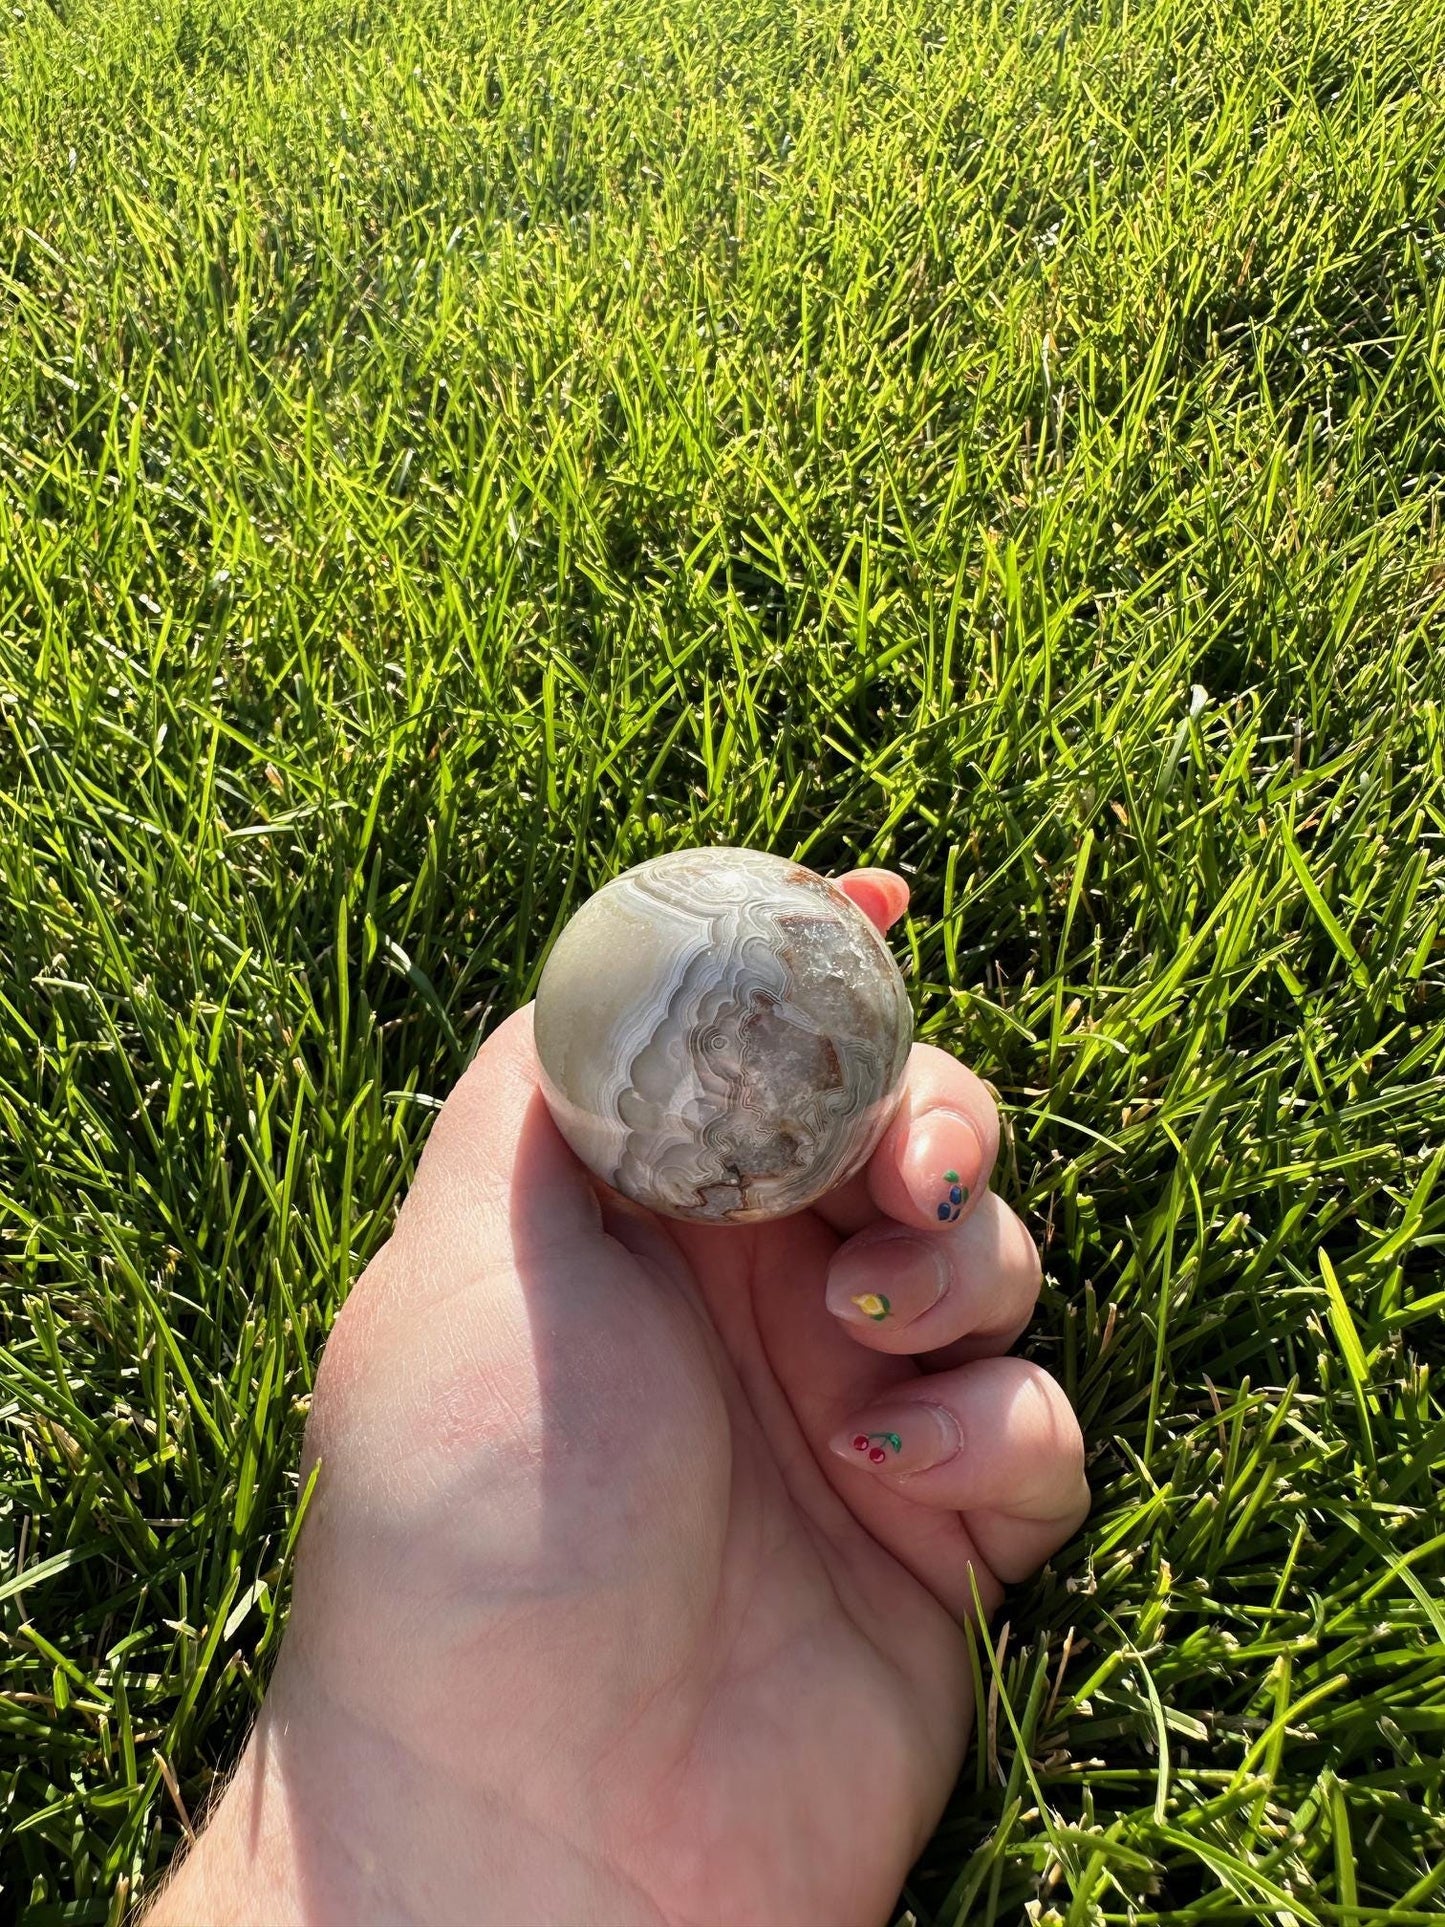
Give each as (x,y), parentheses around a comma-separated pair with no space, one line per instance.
(451,451)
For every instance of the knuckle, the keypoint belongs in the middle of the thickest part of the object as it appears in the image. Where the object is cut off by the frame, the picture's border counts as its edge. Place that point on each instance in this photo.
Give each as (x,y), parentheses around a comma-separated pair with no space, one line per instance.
(1074,1454)
(1059,1425)
(1068,1440)
(1018,1254)
(1033,1264)
(351,1345)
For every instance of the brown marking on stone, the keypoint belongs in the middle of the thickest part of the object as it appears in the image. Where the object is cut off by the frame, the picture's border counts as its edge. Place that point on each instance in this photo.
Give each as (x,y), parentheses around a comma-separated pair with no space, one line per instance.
(804,879)
(720,1200)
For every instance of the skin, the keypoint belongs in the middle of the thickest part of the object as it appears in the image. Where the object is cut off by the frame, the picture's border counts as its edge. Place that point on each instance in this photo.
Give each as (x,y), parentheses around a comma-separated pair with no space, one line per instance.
(600,1616)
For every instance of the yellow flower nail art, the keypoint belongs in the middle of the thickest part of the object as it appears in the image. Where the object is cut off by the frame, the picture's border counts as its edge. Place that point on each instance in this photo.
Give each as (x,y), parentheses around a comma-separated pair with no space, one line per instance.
(872,1304)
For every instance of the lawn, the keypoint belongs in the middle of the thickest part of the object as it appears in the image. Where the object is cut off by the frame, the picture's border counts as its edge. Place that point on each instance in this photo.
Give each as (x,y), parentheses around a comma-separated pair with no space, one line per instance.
(452,450)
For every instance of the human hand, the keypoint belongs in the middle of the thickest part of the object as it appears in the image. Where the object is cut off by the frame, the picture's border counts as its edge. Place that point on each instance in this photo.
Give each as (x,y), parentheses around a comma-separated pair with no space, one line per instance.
(632,1586)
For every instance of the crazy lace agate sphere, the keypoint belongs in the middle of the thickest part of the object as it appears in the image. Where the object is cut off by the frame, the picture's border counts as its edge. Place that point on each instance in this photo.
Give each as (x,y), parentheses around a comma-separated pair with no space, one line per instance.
(722,1035)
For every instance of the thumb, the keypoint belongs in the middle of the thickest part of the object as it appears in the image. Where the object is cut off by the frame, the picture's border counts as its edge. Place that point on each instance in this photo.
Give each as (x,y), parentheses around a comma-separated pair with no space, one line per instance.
(496,1178)
(437,1324)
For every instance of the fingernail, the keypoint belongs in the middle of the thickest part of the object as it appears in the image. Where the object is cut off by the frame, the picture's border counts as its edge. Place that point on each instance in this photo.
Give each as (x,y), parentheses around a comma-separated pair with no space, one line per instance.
(907,1436)
(890,1281)
(942,1148)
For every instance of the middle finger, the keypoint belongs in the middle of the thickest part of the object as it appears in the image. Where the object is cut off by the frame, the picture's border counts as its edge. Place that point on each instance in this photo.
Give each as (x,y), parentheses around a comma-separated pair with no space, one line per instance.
(972,1287)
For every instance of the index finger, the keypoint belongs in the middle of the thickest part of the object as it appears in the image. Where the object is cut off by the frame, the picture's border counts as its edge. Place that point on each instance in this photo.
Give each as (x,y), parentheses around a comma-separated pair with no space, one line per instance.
(933,1162)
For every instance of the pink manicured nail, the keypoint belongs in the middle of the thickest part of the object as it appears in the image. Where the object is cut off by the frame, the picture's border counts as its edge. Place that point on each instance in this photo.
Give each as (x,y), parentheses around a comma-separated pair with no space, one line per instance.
(940,1163)
(888,1281)
(909,1435)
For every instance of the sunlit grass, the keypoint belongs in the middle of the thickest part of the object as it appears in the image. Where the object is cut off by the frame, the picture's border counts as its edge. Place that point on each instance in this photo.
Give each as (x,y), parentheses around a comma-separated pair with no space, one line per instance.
(448,452)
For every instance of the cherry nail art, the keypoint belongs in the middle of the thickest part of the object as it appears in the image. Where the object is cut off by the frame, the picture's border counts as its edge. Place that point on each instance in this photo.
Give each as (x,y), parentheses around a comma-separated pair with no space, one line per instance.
(907,1436)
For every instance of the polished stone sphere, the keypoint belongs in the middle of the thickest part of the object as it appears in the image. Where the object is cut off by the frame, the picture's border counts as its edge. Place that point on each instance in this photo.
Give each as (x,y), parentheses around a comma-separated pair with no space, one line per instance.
(722,1035)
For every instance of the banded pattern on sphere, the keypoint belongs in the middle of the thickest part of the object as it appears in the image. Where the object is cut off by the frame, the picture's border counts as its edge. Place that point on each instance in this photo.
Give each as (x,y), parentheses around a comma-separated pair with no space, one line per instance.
(722,1035)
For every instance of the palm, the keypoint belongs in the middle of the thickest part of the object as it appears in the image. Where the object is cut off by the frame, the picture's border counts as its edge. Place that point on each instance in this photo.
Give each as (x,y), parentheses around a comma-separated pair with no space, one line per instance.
(734,1656)
(581,1537)
(806,1688)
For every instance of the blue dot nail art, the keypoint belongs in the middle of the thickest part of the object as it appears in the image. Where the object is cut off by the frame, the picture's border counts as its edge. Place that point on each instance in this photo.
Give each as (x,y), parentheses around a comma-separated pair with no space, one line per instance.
(952,1207)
